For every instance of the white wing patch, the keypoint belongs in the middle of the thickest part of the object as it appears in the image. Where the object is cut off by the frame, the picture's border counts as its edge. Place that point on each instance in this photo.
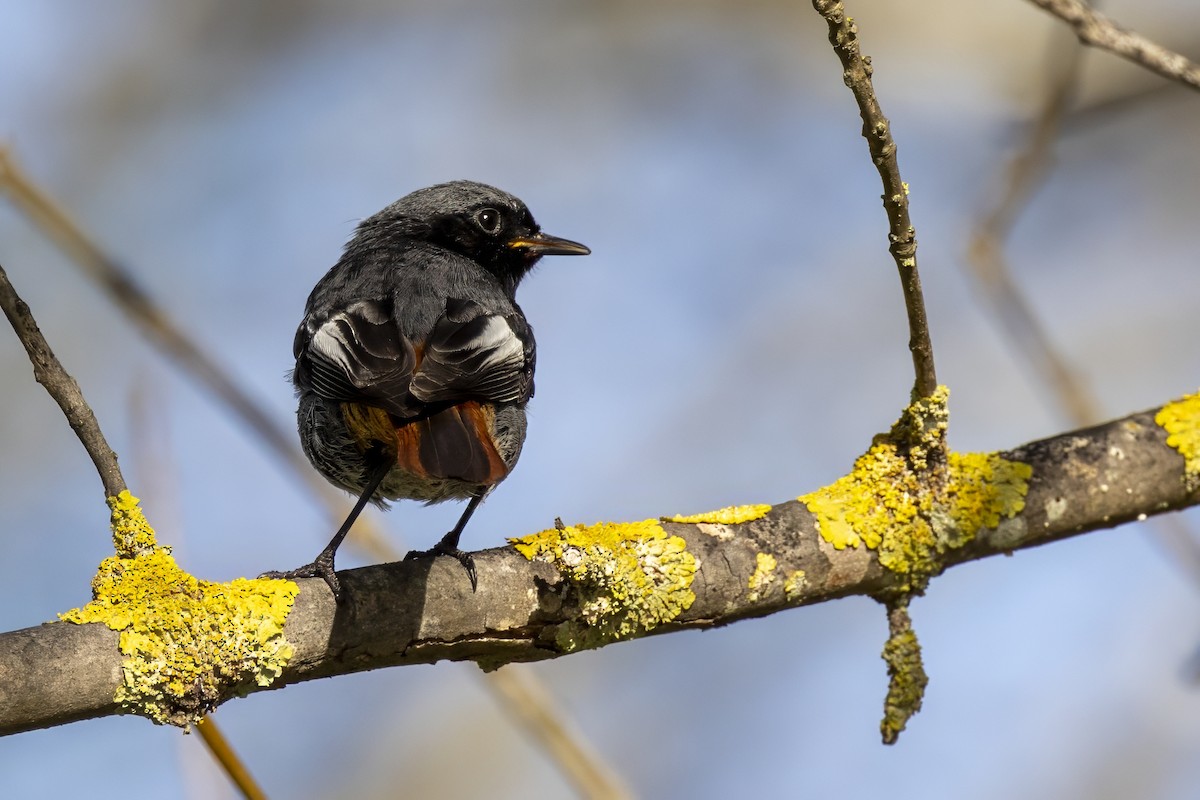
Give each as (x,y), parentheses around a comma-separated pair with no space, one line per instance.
(480,358)
(503,349)
(331,341)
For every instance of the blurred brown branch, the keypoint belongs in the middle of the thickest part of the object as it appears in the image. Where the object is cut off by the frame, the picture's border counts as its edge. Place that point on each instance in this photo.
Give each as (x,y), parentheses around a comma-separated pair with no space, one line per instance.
(1097,30)
(229,760)
(986,250)
(1020,322)
(123,289)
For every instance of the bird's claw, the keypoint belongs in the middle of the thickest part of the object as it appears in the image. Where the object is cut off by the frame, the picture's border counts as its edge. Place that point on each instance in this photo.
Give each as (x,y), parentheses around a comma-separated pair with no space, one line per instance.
(321,567)
(441,549)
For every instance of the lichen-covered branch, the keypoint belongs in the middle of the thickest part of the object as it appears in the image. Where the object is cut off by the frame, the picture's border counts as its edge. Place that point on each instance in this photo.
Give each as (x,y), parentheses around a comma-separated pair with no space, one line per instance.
(877,130)
(1097,30)
(575,587)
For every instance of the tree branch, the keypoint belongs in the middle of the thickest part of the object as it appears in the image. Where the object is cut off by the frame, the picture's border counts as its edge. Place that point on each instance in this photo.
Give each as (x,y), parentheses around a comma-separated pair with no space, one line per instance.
(1097,30)
(418,612)
(62,387)
(857,71)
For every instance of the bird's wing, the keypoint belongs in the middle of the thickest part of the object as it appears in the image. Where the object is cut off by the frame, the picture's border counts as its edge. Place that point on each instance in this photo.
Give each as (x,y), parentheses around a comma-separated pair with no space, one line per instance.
(357,354)
(473,354)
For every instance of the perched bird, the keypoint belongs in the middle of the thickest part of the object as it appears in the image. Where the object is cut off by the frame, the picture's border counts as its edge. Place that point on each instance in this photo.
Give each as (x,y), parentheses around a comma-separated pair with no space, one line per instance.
(414,362)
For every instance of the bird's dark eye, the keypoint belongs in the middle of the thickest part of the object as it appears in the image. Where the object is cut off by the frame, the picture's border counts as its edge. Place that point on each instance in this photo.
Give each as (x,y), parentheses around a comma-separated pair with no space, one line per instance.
(488,220)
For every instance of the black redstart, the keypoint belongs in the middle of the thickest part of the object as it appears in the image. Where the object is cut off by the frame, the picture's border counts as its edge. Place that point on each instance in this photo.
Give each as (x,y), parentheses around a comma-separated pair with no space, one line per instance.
(414,362)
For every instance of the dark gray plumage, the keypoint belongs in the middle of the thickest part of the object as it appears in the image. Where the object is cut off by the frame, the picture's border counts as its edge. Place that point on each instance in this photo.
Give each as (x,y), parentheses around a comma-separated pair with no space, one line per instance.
(414,362)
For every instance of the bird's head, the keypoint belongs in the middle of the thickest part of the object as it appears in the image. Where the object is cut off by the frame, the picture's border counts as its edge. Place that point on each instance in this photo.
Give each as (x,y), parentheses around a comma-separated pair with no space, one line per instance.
(483,223)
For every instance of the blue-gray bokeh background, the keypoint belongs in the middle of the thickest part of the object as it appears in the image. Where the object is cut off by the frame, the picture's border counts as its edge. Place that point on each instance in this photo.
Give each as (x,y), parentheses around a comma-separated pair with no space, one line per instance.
(737,336)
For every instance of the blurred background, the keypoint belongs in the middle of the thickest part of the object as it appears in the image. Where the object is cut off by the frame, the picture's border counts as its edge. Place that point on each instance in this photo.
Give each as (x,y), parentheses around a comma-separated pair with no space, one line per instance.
(737,336)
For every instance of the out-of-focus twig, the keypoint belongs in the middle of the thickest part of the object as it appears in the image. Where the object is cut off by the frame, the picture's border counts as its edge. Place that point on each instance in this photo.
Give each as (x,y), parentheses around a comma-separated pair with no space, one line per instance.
(566,747)
(1097,30)
(1020,322)
(527,699)
(154,474)
(157,326)
(50,373)
(857,70)
(66,392)
(986,249)
(229,760)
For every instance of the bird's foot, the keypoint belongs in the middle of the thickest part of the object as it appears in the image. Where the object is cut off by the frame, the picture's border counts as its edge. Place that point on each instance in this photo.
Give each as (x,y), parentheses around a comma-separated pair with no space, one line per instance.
(444,549)
(321,567)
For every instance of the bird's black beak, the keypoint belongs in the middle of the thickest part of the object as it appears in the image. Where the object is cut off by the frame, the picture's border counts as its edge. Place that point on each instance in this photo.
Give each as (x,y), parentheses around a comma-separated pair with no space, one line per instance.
(540,244)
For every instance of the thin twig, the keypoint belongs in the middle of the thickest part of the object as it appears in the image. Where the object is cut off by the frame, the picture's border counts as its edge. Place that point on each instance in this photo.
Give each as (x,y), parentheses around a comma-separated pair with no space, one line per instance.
(1097,30)
(228,758)
(582,764)
(50,373)
(857,69)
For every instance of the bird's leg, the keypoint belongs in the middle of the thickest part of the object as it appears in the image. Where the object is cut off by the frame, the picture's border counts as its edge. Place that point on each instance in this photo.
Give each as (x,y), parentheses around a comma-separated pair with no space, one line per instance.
(322,565)
(448,546)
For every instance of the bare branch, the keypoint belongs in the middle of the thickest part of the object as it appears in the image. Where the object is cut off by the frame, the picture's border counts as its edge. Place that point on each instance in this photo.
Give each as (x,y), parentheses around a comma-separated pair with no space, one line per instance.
(1097,30)
(62,387)
(857,70)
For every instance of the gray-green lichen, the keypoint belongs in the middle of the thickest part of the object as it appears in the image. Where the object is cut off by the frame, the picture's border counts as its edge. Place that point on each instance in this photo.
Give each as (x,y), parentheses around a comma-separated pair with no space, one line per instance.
(630,577)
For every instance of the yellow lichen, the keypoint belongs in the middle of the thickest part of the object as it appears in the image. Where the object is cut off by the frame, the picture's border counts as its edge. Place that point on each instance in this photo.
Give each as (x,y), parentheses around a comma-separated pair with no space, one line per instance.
(131,532)
(793,587)
(983,490)
(733,515)
(880,492)
(889,503)
(1181,420)
(188,643)
(630,577)
(763,577)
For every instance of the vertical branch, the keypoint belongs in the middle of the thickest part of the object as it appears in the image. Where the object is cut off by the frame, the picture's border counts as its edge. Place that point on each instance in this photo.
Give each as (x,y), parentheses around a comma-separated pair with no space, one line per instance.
(857,70)
(906,672)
